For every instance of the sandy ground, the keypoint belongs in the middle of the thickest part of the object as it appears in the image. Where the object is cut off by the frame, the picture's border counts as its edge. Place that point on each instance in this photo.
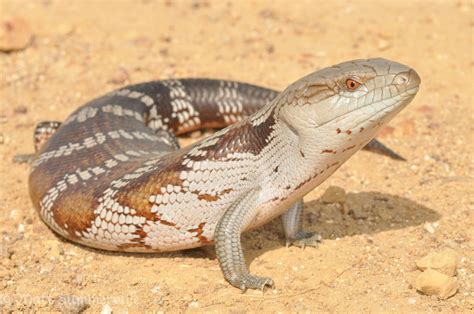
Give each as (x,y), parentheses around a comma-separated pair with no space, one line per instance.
(82,49)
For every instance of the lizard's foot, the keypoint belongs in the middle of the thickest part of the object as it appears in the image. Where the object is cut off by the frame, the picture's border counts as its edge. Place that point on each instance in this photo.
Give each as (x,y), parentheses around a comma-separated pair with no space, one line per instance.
(303,239)
(248,281)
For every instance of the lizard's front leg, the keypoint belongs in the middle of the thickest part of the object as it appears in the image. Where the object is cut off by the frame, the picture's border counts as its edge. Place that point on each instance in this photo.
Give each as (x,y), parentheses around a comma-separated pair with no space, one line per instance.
(228,246)
(293,227)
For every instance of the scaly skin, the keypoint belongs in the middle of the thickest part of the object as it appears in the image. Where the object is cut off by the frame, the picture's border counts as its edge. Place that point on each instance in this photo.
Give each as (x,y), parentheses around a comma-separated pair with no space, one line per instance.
(111,177)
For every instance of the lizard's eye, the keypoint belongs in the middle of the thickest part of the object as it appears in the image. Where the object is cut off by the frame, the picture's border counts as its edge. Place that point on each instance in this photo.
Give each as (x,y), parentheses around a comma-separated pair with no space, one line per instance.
(352,84)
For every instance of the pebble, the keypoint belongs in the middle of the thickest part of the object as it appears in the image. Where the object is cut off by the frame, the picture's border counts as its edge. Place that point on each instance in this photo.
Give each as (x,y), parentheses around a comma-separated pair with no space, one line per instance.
(106,309)
(55,249)
(20,109)
(383,44)
(429,228)
(46,269)
(71,304)
(14,34)
(16,215)
(78,280)
(156,289)
(444,261)
(334,194)
(119,77)
(194,305)
(432,282)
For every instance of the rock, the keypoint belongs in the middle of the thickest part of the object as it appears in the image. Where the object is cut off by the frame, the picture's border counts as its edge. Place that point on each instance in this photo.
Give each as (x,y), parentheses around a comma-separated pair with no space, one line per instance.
(334,194)
(14,34)
(432,282)
(71,304)
(444,261)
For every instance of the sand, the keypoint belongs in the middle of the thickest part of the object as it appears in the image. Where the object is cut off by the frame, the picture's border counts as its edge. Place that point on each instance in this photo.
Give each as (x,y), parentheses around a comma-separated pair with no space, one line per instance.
(400,211)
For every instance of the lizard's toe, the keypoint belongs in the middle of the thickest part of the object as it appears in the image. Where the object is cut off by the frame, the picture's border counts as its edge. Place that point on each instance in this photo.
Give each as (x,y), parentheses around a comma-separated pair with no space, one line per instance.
(254,282)
(305,239)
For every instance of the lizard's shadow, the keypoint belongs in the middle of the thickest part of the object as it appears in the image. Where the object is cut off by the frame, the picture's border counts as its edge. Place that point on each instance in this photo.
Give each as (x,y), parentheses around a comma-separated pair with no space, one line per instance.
(366,213)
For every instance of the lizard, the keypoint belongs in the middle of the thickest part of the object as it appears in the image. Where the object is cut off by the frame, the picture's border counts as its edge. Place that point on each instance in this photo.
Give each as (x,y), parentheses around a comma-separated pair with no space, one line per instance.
(112,176)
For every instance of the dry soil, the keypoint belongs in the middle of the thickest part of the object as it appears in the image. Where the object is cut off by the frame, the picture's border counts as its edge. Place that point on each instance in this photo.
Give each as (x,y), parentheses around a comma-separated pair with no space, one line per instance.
(401,210)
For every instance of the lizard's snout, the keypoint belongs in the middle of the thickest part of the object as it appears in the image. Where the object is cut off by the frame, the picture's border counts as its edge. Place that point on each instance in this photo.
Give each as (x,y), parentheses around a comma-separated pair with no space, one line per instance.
(409,79)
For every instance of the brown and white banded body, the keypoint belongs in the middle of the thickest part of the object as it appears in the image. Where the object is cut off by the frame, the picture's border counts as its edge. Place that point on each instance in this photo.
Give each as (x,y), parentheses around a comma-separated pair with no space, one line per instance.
(112,176)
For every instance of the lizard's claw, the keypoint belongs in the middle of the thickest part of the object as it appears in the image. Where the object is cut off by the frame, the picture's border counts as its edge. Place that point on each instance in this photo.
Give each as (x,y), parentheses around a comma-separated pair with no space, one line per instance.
(304,239)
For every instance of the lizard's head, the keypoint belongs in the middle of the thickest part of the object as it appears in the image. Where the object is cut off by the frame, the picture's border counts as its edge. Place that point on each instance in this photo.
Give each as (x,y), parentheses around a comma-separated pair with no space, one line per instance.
(352,98)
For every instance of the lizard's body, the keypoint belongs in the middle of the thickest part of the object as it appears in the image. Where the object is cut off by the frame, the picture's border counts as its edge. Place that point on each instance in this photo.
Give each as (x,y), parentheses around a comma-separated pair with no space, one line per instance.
(111,176)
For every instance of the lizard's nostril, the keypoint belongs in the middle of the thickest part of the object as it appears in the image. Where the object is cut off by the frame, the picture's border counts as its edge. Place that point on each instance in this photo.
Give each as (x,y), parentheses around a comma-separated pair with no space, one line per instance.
(408,79)
(401,79)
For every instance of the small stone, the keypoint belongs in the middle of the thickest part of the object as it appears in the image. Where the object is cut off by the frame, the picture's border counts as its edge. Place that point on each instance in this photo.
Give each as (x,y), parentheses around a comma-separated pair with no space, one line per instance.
(444,261)
(55,249)
(106,309)
(156,289)
(21,228)
(46,269)
(383,44)
(431,282)
(20,110)
(14,34)
(334,194)
(78,280)
(194,305)
(163,52)
(71,304)
(16,215)
(429,228)
(119,77)
(411,301)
